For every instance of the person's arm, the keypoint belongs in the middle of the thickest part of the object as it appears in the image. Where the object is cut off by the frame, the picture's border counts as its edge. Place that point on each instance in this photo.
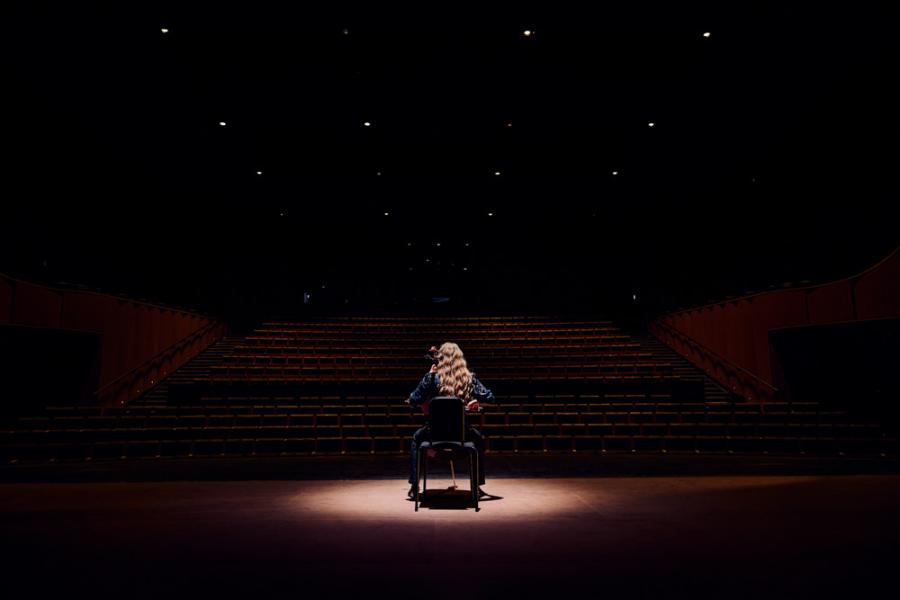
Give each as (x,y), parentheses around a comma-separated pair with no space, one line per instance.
(480,394)
(423,391)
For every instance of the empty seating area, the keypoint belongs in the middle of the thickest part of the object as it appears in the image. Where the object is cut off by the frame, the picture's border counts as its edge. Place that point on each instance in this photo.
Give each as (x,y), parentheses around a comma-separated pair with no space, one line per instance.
(384,358)
(338,387)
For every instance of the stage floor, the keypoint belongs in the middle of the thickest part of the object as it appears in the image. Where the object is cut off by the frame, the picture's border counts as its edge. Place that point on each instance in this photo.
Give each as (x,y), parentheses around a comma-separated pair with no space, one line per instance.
(689,536)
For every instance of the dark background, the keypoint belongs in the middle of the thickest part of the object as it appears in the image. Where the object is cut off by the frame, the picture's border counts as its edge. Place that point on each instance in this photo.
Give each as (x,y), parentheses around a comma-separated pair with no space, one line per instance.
(833,363)
(772,159)
(41,366)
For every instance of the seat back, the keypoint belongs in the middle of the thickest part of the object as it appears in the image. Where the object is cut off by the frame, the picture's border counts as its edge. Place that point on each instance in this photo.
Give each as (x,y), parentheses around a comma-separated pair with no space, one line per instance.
(447,420)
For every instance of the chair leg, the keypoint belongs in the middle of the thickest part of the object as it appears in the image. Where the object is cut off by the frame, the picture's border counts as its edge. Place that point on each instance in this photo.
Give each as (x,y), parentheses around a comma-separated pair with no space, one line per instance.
(473,473)
(471,479)
(453,474)
(418,476)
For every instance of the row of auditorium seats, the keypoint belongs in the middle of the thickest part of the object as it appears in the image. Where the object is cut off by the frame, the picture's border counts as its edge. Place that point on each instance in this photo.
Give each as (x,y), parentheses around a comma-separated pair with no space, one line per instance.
(562,418)
(189,392)
(637,424)
(443,325)
(407,334)
(435,323)
(480,341)
(450,321)
(330,359)
(284,446)
(204,427)
(374,402)
(353,347)
(614,404)
(413,372)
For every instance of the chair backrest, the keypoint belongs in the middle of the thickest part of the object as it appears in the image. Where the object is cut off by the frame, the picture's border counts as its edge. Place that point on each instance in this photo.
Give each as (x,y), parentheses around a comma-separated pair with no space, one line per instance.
(447,420)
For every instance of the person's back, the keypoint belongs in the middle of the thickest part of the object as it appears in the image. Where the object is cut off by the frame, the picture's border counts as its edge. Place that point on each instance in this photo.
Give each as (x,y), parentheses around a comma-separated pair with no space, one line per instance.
(449,376)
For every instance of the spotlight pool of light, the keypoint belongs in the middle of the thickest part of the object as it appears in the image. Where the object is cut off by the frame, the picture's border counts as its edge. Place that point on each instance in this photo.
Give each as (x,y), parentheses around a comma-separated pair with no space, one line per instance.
(384,498)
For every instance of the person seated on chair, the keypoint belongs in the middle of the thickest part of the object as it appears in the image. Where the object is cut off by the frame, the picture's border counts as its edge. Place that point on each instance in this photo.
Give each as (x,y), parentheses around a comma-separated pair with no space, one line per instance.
(449,376)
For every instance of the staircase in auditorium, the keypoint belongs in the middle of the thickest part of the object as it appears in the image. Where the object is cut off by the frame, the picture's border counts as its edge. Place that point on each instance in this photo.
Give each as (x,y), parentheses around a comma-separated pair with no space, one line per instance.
(337,386)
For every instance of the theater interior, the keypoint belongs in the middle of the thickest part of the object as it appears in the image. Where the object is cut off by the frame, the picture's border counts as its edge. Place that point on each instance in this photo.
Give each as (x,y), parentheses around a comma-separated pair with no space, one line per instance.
(236,237)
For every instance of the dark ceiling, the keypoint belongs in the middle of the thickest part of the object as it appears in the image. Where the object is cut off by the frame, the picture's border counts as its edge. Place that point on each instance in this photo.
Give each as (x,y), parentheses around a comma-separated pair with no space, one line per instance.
(518,136)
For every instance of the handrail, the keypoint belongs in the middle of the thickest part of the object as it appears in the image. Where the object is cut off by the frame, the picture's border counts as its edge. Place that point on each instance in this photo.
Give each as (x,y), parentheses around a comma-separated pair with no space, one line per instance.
(183,341)
(731,376)
(718,357)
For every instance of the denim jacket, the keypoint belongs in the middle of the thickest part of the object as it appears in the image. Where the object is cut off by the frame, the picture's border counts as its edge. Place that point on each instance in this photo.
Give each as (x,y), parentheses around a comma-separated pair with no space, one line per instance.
(430,387)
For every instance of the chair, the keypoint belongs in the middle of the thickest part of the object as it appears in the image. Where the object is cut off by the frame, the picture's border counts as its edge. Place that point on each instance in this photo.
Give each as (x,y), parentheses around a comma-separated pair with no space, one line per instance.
(447,437)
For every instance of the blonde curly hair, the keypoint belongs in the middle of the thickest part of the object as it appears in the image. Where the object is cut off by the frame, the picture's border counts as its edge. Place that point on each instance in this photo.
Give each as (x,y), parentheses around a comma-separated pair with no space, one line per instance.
(455,377)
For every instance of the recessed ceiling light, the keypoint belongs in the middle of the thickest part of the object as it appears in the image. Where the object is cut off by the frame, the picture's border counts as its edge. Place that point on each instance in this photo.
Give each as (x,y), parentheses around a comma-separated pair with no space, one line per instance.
(706,34)
(164,30)
(222,123)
